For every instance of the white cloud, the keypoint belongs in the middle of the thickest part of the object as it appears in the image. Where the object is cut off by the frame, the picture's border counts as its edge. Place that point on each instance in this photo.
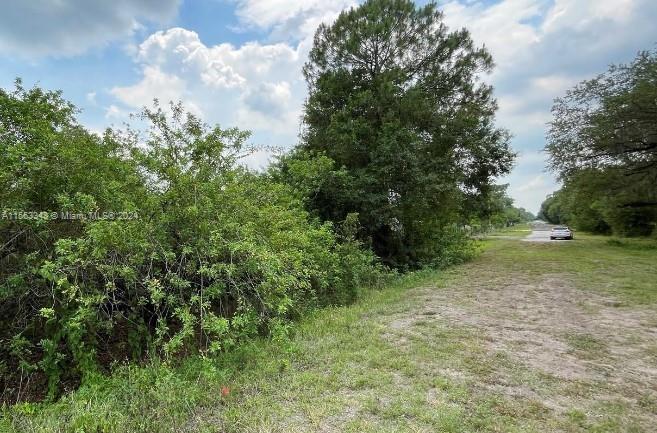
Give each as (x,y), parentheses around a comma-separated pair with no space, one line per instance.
(114,112)
(69,27)
(290,19)
(527,108)
(534,183)
(255,86)
(579,15)
(91,97)
(552,84)
(502,27)
(529,189)
(531,157)
(269,98)
(154,84)
(258,160)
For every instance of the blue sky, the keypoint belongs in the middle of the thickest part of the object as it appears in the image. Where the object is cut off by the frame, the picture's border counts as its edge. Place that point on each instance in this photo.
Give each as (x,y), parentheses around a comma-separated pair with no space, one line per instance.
(238,62)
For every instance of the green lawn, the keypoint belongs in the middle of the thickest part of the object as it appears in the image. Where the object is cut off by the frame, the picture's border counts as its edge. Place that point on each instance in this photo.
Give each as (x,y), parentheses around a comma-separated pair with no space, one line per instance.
(528,337)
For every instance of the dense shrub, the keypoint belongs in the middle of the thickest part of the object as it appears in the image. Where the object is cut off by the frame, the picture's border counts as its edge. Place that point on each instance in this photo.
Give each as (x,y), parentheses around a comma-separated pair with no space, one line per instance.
(198,254)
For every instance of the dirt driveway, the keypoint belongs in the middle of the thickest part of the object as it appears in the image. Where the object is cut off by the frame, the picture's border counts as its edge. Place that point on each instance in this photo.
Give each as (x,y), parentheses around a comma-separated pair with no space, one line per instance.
(584,360)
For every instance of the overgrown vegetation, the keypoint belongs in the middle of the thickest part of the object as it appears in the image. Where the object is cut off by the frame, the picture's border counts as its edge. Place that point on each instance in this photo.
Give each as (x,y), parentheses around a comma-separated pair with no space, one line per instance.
(496,211)
(151,244)
(349,369)
(199,255)
(603,144)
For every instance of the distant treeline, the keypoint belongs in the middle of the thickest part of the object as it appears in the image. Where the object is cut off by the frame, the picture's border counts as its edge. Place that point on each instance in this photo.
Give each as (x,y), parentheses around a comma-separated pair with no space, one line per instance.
(603,145)
(156,242)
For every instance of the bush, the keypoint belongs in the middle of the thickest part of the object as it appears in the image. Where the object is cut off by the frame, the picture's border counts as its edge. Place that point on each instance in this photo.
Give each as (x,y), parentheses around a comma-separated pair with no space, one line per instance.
(190,252)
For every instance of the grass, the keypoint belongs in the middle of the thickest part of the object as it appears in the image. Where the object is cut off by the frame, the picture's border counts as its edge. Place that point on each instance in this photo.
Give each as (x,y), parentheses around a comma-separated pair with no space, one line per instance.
(597,263)
(389,363)
(516,231)
(586,346)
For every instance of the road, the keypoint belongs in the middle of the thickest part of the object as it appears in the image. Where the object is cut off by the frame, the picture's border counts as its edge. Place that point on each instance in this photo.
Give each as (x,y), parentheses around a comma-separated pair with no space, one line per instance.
(540,233)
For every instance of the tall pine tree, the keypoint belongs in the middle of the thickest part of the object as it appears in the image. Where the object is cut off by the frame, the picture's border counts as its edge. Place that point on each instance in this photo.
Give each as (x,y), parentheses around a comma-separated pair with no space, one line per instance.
(396,101)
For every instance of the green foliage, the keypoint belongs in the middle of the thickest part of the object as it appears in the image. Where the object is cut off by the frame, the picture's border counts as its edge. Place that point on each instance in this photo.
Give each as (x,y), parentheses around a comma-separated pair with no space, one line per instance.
(192,252)
(399,129)
(495,210)
(594,201)
(603,144)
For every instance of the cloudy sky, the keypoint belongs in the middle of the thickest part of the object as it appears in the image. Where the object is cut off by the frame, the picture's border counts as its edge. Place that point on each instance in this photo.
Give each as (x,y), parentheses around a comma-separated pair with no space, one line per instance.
(238,62)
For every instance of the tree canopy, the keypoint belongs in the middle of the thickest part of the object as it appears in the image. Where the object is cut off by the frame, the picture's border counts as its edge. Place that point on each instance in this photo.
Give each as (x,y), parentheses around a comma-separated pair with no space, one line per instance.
(609,122)
(397,106)
(602,143)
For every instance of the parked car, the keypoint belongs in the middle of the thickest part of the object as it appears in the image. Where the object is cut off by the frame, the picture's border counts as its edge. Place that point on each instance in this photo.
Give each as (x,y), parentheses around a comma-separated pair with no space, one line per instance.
(561,232)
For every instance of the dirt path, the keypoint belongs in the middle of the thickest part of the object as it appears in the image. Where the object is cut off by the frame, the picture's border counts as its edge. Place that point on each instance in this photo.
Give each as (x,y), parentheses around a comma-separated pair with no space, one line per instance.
(575,354)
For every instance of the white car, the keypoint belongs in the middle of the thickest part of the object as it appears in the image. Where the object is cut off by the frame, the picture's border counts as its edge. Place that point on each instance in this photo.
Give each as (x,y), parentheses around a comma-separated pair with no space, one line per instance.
(561,232)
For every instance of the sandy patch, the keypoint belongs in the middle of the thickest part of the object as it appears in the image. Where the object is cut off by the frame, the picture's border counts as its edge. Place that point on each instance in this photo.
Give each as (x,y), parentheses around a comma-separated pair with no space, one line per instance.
(551,327)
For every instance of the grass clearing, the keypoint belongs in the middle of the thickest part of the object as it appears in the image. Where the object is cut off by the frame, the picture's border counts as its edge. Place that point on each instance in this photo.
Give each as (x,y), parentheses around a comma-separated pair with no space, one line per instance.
(528,337)
(516,231)
(586,346)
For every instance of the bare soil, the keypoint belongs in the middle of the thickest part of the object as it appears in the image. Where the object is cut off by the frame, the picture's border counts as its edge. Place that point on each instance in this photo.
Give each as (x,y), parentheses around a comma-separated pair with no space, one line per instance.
(591,349)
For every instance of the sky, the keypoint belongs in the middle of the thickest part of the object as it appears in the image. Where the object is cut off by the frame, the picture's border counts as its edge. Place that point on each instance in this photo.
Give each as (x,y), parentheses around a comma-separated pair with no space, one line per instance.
(238,62)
